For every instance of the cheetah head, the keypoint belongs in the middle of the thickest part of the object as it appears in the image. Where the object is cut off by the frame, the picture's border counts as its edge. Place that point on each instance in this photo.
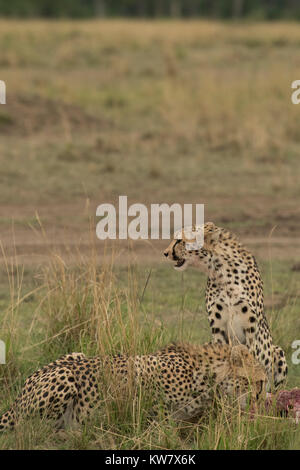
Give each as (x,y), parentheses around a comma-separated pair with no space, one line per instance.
(249,373)
(184,250)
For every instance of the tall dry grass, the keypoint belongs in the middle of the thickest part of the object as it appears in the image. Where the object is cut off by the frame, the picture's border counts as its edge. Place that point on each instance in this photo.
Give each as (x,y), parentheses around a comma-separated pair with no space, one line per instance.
(186,110)
(86,308)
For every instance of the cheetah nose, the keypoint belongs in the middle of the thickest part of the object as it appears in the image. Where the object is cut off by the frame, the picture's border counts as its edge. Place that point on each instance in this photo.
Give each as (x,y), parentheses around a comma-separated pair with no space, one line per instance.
(166,254)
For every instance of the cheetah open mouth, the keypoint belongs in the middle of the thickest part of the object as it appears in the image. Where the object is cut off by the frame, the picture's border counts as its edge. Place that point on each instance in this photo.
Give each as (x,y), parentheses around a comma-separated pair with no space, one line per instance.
(179,263)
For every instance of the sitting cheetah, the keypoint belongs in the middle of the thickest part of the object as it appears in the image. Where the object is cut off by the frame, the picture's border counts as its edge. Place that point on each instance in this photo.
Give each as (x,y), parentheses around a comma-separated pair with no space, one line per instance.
(234,293)
(185,377)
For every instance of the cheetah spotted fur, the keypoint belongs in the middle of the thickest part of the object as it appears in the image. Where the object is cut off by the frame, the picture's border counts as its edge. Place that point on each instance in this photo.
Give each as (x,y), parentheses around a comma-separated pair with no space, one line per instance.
(234,293)
(185,377)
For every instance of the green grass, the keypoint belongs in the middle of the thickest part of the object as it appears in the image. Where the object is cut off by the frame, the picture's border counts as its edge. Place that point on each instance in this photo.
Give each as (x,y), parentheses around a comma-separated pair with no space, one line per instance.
(103,309)
(166,111)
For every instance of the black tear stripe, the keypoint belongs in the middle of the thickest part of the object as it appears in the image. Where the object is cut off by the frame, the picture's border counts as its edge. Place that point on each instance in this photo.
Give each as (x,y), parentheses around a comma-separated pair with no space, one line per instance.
(173,249)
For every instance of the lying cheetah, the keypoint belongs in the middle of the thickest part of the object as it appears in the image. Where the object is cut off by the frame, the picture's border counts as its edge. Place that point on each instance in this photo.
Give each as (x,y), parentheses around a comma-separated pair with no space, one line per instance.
(234,293)
(185,377)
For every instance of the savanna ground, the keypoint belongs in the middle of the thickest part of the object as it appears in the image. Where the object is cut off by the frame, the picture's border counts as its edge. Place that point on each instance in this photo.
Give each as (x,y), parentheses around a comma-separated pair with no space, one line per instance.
(187,112)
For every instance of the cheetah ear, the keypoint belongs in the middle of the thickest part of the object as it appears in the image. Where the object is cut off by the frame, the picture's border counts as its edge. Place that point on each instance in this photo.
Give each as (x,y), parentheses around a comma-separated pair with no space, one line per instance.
(245,364)
(193,237)
(259,373)
(209,226)
(240,356)
(211,234)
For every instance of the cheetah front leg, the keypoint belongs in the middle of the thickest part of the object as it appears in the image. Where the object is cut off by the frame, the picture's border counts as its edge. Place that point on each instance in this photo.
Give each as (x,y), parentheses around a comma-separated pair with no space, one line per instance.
(193,407)
(233,324)
(67,418)
(218,322)
(190,408)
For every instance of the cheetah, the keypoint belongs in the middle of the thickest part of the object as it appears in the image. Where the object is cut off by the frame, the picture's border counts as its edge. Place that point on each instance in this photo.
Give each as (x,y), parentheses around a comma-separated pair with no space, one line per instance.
(184,377)
(234,293)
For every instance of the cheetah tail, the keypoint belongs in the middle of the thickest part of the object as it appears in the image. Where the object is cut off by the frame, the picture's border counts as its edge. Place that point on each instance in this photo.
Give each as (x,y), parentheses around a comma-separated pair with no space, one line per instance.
(7,420)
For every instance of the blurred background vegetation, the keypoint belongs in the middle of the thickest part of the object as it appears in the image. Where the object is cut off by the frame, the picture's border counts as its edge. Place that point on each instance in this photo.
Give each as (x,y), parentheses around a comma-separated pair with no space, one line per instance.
(185,101)
(256,9)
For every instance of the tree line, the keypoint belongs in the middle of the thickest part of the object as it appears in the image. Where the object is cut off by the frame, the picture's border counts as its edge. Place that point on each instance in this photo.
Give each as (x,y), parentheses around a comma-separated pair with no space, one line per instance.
(225,9)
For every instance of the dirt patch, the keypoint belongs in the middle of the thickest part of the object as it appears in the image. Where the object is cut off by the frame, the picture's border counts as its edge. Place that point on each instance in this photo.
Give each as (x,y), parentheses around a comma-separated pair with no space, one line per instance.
(31,248)
(68,230)
(24,115)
